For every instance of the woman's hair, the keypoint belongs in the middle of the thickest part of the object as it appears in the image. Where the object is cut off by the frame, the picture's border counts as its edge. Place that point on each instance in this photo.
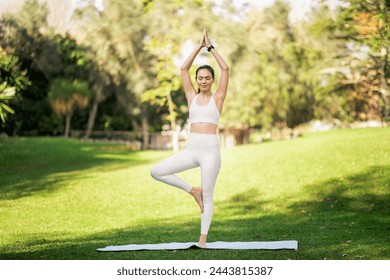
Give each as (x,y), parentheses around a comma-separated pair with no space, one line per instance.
(208,67)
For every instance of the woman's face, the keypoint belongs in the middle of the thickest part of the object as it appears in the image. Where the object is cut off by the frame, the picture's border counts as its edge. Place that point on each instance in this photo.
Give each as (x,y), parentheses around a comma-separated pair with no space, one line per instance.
(204,80)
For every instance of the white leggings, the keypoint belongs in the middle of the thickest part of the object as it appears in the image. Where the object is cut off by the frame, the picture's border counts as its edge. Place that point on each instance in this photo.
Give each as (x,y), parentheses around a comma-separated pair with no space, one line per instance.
(202,151)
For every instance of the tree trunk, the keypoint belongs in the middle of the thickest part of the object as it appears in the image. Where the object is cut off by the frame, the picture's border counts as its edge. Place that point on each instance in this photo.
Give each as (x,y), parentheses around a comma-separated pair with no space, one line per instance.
(144,128)
(384,87)
(98,88)
(175,132)
(68,118)
(91,118)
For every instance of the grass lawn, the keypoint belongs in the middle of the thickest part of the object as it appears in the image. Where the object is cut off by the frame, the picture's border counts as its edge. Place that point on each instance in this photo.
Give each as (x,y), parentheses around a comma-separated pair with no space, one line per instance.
(62,199)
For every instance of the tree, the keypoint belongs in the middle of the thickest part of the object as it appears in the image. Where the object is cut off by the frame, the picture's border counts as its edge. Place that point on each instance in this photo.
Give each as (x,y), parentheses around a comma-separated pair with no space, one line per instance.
(27,36)
(365,25)
(273,71)
(65,96)
(12,81)
(114,38)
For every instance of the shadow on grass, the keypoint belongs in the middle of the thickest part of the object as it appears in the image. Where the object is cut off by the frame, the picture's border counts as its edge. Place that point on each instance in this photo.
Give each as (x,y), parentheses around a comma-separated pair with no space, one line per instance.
(342,218)
(32,165)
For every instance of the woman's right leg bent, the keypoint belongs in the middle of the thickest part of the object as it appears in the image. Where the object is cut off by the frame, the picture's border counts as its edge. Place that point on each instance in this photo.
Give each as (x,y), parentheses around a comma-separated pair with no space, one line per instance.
(164,171)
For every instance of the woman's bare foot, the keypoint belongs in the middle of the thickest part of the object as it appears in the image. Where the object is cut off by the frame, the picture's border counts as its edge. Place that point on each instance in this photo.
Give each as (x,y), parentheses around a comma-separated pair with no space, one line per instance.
(202,240)
(197,194)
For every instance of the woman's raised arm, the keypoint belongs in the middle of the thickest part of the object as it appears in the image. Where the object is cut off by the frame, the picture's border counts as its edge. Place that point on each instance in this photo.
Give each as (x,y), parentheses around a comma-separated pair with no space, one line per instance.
(224,79)
(185,71)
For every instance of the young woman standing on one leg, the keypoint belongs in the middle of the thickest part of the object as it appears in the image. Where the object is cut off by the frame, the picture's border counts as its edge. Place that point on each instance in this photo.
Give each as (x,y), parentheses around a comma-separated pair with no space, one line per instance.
(202,148)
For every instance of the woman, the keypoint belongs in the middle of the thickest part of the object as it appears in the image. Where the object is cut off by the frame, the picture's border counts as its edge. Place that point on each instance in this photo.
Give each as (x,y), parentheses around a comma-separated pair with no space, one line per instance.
(202,148)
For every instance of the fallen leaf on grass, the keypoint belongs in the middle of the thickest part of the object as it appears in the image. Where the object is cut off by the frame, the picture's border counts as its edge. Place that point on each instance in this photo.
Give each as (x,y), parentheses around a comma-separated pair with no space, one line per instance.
(346,243)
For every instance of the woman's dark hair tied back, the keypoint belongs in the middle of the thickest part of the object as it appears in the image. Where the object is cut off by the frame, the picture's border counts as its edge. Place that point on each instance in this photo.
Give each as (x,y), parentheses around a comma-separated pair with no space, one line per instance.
(208,67)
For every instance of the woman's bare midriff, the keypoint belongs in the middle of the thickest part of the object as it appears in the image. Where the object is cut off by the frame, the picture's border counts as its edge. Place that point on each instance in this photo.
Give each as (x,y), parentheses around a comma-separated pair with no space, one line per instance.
(204,128)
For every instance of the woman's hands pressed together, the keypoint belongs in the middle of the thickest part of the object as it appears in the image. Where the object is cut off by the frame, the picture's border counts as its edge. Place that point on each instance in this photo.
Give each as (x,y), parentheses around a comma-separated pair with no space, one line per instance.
(205,41)
(206,38)
(202,42)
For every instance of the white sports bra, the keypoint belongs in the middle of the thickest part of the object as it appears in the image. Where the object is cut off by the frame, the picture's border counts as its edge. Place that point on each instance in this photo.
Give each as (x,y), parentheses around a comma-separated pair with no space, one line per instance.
(208,113)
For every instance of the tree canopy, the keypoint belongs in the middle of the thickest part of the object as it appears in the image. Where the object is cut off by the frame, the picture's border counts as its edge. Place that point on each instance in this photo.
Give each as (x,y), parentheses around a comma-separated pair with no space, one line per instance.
(333,64)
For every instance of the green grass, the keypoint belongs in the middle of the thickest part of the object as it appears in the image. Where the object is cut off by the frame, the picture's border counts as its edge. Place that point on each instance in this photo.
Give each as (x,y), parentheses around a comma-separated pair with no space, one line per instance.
(62,199)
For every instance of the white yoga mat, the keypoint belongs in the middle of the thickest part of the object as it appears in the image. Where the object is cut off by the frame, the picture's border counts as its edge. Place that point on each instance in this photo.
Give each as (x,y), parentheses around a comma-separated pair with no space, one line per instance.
(253,245)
